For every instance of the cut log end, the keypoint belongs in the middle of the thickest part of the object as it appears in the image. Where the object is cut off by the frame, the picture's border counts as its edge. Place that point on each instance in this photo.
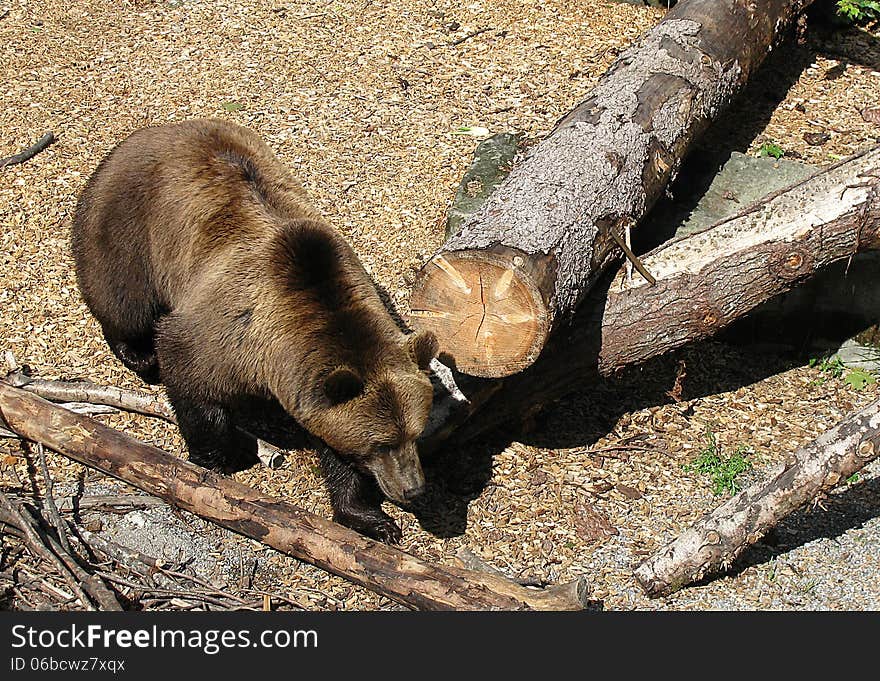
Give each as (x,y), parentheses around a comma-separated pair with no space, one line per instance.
(485,310)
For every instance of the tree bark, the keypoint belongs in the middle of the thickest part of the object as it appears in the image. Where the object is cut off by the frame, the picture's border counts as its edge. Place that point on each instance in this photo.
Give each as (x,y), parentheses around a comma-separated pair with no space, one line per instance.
(521,264)
(704,282)
(90,393)
(718,539)
(283,526)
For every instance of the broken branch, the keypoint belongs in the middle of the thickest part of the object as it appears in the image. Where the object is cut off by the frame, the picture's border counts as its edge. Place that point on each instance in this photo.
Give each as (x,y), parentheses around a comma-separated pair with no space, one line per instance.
(720,537)
(28,153)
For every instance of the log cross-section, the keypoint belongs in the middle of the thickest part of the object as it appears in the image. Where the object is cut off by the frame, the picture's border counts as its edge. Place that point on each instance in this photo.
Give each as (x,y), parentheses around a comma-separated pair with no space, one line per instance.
(525,259)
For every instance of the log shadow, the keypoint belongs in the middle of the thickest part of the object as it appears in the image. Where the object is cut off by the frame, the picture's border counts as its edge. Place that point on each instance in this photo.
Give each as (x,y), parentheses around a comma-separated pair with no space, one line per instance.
(834,39)
(745,353)
(750,350)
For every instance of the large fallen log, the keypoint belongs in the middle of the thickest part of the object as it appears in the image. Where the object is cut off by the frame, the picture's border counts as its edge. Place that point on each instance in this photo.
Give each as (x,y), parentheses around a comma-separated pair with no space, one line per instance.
(283,526)
(716,541)
(704,282)
(521,264)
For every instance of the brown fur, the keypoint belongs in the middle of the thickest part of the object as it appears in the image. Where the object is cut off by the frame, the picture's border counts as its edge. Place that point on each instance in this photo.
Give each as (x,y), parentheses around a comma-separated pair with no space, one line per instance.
(198,252)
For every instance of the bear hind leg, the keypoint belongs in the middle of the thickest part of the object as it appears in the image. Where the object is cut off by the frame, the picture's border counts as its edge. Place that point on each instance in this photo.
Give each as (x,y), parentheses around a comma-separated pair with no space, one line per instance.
(356,499)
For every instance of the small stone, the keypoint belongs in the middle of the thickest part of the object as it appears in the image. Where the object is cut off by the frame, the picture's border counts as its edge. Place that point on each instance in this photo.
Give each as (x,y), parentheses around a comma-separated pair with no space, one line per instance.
(94,525)
(816,139)
(871,114)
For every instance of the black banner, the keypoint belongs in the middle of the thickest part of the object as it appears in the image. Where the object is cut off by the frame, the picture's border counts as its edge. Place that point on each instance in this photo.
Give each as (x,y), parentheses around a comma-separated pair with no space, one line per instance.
(399,644)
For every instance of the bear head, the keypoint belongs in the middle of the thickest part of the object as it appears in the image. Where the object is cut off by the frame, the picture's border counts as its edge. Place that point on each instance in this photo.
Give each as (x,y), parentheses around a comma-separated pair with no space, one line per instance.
(374,420)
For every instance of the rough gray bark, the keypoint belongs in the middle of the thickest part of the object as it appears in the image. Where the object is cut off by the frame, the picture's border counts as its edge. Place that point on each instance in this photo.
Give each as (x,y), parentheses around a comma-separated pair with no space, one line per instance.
(400,576)
(716,541)
(543,237)
(704,282)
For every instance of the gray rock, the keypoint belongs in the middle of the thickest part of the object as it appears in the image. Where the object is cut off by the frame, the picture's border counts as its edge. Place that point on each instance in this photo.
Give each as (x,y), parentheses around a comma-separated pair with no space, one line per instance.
(858,356)
(492,162)
(742,180)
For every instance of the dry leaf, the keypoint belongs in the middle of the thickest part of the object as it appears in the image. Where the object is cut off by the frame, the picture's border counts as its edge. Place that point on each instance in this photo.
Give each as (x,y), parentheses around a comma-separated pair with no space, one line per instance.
(872,114)
(591,525)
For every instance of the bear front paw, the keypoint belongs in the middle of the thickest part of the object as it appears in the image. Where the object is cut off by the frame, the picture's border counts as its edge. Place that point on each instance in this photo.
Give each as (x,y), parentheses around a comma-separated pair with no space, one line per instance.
(375,524)
(224,462)
(386,531)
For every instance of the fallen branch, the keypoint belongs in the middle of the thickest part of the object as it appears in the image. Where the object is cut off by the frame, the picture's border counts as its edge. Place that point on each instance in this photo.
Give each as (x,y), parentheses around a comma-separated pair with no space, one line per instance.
(54,517)
(113,503)
(28,153)
(89,589)
(76,396)
(214,596)
(281,525)
(91,393)
(718,539)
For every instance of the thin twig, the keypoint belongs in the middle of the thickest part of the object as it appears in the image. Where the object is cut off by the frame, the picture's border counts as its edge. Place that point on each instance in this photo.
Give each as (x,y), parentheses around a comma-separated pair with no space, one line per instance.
(92,584)
(13,516)
(54,516)
(28,153)
(472,34)
(130,557)
(47,587)
(279,597)
(178,593)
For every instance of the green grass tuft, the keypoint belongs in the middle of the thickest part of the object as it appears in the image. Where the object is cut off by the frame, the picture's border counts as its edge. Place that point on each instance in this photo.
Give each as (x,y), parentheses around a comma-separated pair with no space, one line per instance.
(722,471)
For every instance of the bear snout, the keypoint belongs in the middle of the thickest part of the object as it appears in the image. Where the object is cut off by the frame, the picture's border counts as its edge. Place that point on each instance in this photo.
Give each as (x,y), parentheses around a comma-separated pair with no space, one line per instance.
(414,493)
(399,474)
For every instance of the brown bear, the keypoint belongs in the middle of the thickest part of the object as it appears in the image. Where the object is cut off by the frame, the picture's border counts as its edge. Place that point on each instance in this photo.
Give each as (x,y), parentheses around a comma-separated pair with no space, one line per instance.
(211,273)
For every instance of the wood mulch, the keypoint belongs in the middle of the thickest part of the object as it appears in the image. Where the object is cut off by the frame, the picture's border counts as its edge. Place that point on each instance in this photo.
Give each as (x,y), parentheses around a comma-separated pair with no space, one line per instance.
(366,101)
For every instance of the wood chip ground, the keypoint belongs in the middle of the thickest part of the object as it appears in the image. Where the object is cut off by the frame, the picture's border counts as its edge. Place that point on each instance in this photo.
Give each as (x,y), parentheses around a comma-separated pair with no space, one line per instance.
(364,100)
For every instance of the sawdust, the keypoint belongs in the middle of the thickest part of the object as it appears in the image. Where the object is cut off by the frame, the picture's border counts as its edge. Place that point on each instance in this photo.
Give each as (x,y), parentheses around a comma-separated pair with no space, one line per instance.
(363,101)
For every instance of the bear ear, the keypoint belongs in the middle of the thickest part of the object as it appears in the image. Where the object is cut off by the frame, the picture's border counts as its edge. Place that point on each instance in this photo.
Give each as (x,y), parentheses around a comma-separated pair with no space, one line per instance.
(422,346)
(342,385)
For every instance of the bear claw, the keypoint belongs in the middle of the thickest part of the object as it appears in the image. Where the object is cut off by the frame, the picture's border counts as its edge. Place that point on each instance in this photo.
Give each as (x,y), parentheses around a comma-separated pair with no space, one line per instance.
(378,526)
